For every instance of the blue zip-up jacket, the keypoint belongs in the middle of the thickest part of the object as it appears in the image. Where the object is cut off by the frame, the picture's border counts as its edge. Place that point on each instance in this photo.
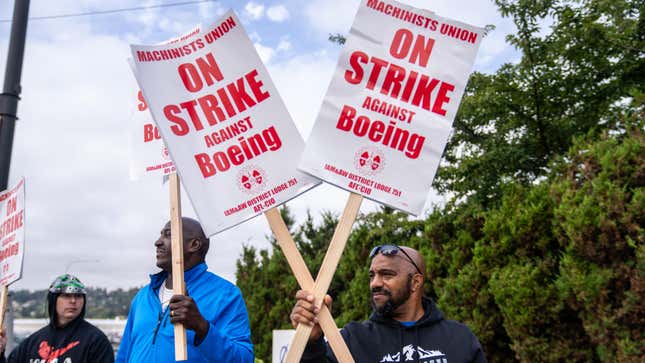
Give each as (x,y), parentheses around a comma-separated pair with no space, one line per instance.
(149,335)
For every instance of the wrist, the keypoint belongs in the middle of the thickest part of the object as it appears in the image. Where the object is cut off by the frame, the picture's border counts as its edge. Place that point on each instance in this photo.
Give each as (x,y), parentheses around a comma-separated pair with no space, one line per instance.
(202,329)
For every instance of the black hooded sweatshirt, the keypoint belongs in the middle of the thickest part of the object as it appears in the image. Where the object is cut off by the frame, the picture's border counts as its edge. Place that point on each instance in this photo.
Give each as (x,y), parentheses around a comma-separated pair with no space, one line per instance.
(77,342)
(432,339)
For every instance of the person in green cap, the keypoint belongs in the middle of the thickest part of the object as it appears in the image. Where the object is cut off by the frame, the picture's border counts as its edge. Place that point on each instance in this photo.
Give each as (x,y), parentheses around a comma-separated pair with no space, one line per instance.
(68,338)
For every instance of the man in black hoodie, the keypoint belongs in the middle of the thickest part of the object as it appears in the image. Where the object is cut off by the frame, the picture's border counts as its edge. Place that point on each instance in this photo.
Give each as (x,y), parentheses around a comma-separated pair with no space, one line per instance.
(68,338)
(404,326)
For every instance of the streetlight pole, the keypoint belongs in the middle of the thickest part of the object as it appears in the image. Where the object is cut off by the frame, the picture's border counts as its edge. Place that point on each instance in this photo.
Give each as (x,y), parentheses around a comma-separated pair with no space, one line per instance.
(11,91)
(8,108)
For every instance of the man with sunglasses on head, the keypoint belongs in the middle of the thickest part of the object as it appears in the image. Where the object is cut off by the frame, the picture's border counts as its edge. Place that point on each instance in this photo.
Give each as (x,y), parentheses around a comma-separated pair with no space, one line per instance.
(212,311)
(404,326)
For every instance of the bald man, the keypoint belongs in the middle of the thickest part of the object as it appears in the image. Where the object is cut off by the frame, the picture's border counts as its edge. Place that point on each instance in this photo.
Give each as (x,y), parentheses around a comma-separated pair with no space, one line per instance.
(213,311)
(404,326)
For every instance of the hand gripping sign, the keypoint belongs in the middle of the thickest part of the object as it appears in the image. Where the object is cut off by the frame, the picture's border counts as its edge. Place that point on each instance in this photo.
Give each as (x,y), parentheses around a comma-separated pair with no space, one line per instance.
(230,136)
(385,119)
(12,239)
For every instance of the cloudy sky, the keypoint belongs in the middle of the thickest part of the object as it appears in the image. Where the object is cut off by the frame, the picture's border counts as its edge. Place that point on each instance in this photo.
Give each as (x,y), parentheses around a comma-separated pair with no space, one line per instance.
(83,213)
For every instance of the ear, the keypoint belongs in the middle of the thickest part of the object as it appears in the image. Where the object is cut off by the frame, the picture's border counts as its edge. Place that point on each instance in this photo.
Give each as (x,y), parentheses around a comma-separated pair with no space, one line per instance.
(417,282)
(193,246)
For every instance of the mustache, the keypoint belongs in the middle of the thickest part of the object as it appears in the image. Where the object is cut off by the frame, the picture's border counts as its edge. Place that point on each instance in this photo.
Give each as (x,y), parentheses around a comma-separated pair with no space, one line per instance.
(381,290)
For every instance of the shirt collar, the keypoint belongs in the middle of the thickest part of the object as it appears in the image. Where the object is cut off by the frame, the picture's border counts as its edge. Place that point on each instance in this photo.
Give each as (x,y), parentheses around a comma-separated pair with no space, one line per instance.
(189,275)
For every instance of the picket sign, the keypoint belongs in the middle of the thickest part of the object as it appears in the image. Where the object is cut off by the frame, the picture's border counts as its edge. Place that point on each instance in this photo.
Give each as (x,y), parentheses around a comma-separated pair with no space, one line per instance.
(12,240)
(320,287)
(177,251)
(228,132)
(4,295)
(306,281)
(386,117)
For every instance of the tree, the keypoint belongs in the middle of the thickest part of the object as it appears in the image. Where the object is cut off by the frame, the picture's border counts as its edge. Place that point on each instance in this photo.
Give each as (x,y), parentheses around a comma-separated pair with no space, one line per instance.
(571,81)
(101,303)
(266,281)
(541,252)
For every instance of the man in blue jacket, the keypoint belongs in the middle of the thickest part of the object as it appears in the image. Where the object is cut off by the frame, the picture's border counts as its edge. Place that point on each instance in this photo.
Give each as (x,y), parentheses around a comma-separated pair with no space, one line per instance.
(404,326)
(213,311)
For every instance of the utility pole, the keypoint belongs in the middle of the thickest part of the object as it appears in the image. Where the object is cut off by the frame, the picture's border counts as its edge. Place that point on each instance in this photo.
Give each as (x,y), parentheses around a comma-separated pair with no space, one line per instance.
(11,90)
(8,108)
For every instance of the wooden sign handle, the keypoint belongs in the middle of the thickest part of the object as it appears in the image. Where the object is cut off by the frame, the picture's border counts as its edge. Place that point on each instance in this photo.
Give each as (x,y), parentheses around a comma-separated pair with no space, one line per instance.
(326,273)
(4,296)
(306,282)
(177,250)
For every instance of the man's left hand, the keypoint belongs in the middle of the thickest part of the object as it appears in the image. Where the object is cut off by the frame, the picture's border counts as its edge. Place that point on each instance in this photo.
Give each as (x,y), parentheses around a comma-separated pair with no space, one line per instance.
(183,310)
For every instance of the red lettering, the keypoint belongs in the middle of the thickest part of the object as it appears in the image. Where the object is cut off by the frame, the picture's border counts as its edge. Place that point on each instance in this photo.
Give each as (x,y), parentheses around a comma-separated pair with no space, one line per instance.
(142,106)
(422,51)
(392,83)
(147,133)
(424,89)
(235,154)
(181,127)
(239,95)
(150,132)
(12,205)
(376,71)
(209,69)
(346,118)
(222,104)
(190,77)
(208,103)
(190,107)
(256,86)
(376,131)
(402,42)
(442,98)
(356,76)
(205,165)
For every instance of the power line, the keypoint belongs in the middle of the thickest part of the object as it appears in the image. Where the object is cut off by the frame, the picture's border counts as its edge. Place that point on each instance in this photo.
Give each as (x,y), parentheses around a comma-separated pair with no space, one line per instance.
(101,12)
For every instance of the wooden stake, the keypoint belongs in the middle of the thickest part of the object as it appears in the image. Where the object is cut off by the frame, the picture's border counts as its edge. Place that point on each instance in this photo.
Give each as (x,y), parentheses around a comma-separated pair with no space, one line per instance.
(306,282)
(4,295)
(326,273)
(177,250)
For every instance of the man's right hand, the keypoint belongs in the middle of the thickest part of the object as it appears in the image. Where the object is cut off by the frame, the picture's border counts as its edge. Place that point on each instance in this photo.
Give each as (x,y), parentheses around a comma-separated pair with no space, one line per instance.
(306,312)
(3,340)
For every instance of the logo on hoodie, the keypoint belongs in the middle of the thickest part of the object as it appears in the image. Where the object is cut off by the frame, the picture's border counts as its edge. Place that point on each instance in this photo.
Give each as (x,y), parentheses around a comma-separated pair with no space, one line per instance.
(425,356)
(50,355)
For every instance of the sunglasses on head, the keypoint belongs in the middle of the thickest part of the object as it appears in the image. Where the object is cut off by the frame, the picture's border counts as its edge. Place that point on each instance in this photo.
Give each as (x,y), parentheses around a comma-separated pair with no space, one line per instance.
(391,250)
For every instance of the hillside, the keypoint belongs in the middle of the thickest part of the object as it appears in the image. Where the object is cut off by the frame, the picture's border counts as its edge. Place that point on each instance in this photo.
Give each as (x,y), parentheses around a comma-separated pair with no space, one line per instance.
(102,304)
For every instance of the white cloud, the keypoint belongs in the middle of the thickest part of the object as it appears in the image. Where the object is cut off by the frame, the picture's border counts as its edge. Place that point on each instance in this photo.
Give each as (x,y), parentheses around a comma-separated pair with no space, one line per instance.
(284,45)
(211,10)
(266,53)
(331,17)
(254,10)
(255,37)
(278,13)
(302,82)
